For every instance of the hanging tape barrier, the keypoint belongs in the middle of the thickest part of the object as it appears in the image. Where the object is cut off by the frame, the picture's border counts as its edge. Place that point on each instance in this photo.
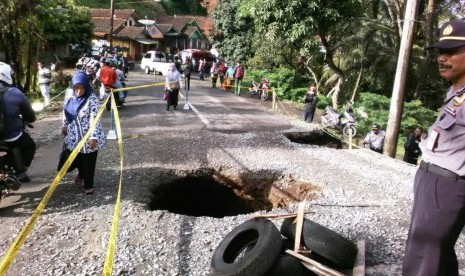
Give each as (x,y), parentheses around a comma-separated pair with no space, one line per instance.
(23,234)
(326,130)
(14,248)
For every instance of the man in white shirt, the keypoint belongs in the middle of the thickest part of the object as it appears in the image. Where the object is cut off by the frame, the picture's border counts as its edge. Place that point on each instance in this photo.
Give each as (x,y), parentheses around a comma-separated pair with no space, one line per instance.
(375,138)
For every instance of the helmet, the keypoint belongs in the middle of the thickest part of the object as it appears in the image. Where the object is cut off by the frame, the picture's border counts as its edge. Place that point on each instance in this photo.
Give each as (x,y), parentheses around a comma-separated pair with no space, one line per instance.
(6,73)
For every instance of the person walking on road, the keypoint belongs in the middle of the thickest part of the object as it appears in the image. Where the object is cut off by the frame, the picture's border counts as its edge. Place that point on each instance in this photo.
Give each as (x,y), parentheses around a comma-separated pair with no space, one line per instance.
(214,74)
(438,214)
(45,78)
(172,85)
(80,109)
(238,76)
(229,79)
(202,66)
(187,73)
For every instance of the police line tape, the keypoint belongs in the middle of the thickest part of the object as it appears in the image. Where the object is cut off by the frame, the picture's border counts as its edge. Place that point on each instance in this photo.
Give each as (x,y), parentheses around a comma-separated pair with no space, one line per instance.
(14,248)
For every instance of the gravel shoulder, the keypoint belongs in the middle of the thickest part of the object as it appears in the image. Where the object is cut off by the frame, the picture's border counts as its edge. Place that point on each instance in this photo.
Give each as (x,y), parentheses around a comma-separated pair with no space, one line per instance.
(358,193)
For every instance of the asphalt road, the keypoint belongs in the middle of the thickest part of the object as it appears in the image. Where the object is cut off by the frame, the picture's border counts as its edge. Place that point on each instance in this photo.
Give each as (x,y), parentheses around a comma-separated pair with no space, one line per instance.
(144,114)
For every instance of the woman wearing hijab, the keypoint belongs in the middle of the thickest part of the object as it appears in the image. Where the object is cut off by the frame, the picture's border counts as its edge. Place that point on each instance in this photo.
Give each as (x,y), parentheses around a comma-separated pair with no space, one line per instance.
(172,85)
(80,107)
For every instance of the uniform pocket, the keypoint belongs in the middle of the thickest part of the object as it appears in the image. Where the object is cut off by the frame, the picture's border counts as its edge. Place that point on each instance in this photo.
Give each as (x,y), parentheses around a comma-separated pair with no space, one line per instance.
(446,120)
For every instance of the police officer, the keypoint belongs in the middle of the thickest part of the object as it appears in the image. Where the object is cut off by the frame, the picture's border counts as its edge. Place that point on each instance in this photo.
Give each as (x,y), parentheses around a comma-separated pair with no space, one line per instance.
(375,138)
(438,214)
(412,147)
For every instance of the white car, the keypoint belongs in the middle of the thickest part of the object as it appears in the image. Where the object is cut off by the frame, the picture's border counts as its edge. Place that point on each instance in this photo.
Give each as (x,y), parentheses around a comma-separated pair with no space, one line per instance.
(154,61)
(186,53)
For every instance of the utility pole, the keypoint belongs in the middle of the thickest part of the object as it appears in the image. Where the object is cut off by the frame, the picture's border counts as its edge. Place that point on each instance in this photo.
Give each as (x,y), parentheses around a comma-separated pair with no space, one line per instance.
(112,7)
(398,91)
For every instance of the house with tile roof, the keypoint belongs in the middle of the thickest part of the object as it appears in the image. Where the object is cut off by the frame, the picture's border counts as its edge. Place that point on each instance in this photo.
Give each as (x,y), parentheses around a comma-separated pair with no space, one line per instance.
(170,34)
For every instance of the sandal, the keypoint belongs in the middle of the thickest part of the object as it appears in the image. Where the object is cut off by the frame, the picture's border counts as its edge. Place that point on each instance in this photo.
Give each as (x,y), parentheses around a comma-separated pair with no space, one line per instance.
(78,181)
(89,191)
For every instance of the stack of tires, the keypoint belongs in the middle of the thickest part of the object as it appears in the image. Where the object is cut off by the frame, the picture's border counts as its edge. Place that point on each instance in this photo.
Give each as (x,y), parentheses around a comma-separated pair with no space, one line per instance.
(257,247)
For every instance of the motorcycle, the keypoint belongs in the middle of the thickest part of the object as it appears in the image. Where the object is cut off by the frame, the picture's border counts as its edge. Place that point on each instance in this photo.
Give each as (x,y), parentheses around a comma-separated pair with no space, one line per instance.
(8,180)
(259,89)
(344,122)
(9,157)
(108,90)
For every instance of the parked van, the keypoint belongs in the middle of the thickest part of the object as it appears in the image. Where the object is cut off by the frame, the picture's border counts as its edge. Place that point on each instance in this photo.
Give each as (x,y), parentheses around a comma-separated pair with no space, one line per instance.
(154,61)
(186,53)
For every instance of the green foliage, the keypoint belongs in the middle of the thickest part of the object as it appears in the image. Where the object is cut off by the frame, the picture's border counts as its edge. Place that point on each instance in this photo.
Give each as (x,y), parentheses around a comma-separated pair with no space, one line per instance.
(67,24)
(282,79)
(323,101)
(377,107)
(234,31)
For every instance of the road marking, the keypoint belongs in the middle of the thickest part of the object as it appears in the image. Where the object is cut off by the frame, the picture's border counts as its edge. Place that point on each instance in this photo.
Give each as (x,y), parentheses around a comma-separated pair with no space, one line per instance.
(201,117)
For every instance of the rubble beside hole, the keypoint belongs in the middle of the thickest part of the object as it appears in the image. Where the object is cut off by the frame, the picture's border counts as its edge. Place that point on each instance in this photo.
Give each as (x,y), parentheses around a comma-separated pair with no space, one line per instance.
(316,138)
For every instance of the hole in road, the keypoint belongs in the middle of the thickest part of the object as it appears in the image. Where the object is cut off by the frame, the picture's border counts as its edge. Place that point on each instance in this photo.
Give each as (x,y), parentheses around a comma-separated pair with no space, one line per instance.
(315,138)
(198,196)
(206,192)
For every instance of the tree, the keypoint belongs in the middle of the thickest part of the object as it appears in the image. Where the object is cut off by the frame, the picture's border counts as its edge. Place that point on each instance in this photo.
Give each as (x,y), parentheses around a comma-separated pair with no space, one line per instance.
(27,27)
(234,31)
(306,25)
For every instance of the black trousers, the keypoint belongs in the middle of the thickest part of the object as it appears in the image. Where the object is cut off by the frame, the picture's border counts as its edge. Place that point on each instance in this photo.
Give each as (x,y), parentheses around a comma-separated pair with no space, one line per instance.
(172,98)
(214,81)
(221,79)
(85,163)
(438,217)
(28,150)
(308,115)
(378,150)
(188,82)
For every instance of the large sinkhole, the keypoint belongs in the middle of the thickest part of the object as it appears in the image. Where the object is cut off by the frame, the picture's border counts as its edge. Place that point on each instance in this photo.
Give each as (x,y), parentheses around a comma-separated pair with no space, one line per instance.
(317,138)
(207,192)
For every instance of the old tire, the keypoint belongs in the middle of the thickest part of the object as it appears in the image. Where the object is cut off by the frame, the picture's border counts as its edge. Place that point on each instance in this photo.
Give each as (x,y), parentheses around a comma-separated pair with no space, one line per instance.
(265,238)
(286,264)
(264,95)
(323,242)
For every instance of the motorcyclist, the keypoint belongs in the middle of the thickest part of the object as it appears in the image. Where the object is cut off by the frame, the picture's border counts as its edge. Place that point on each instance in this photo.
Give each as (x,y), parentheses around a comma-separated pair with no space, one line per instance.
(16,111)
(120,82)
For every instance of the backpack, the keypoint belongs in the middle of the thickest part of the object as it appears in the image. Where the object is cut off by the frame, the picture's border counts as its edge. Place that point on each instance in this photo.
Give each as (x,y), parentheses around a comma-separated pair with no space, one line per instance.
(3,125)
(222,68)
(107,76)
(239,72)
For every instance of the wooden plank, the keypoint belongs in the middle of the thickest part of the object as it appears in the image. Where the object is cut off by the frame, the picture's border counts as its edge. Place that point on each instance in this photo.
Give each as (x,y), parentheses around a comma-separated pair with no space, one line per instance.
(315,266)
(298,229)
(279,216)
(359,267)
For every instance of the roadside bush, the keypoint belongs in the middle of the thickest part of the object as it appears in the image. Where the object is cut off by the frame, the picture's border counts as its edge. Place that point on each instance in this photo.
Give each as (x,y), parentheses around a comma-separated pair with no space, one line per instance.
(376,107)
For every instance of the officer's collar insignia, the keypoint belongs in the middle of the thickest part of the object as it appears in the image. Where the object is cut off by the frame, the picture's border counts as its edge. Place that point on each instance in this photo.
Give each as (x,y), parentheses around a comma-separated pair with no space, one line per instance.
(448,30)
(458,100)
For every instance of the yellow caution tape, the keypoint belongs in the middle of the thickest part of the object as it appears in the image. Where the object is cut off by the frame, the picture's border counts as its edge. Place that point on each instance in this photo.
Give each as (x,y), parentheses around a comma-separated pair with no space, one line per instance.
(23,234)
(109,259)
